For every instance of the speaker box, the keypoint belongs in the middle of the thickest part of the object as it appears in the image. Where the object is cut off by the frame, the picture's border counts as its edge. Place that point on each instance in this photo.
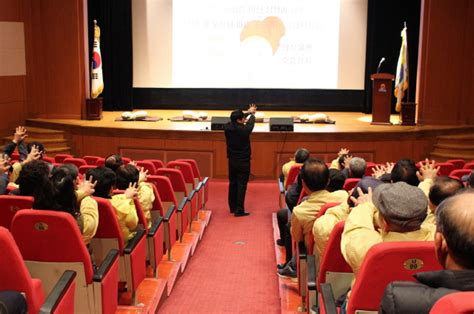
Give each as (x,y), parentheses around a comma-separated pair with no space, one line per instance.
(218,123)
(281,124)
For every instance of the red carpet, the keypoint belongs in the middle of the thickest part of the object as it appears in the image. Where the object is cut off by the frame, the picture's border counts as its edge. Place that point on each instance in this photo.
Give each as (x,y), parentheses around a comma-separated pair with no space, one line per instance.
(233,269)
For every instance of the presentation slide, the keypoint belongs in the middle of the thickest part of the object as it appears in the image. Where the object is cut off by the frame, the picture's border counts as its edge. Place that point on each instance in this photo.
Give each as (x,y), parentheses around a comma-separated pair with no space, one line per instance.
(298,44)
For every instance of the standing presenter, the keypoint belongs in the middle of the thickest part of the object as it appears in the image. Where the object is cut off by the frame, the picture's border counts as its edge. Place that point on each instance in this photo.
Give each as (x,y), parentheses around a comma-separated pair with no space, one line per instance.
(237,135)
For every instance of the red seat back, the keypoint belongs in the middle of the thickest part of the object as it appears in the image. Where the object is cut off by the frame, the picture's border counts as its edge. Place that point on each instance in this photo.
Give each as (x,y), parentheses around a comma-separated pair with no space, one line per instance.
(457,163)
(194,166)
(369,168)
(459,173)
(185,168)
(15,276)
(176,179)
(51,236)
(157,205)
(292,174)
(350,183)
(108,224)
(75,161)
(386,262)
(84,169)
(455,303)
(158,163)
(332,259)
(126,160)
(469,165)
(445,168)
(100,162)
(49,159)
(165,189)
(9,205)
(91,160)
(147,165)
(60,157)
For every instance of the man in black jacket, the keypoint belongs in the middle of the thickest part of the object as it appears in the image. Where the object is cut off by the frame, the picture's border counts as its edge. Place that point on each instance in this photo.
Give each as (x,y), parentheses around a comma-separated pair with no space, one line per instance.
(237,135)
(454,245)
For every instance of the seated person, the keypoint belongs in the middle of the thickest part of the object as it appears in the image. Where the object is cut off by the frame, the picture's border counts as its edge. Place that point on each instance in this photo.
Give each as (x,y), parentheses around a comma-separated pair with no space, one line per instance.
(129,174)
(315,178)
(300,157)
(34,181)
(123,203)
(395,212)
(442,188)
(113,162)
(339,163)
(470,180)
(454,247)
(336,181)
(5,168)
(404,170)
(82,191)
(18,137)
(354,167)
(35,151)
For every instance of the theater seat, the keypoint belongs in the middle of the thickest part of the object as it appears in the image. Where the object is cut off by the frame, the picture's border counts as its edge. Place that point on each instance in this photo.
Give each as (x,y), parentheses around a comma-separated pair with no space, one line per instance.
(60,157)
(188,175)
(49,159)
(9,205)
(459,173)
(51,243)
(386,262)
(158,163)
(147,165)
(457,163)
(91,160)
(469,165)
(455,303)
(132,261)
(445,168)
(321,212)
(350,183)
(290,179)
(14,276)
(75,161)
(85,168)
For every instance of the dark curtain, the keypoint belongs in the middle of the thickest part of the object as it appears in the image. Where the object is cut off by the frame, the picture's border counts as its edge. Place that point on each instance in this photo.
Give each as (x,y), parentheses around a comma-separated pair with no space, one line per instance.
(384,25)
(114,18)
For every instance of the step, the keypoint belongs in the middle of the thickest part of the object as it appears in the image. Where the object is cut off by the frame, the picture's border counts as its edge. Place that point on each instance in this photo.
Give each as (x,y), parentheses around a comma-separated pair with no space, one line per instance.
(58,150)
(446,156)
(47,142)
(461,139)
(454,149)
(41,133)
(455,146)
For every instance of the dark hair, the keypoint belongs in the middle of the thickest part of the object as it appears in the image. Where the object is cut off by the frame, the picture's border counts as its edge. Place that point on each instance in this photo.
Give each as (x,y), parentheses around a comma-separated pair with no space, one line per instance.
(301,155)
(105,178)
(340,160)
(34,181)
(357,167)
(315,174)
(405,170)
(336,180)
(40,146)
(113,162)
(126,174)
(443,188)
(470,180)
(456,231)
(237,115)
(64,189)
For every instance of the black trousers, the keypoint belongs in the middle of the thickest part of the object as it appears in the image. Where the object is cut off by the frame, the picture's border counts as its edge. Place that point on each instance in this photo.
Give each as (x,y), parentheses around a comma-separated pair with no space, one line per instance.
(285,233)
(239,172)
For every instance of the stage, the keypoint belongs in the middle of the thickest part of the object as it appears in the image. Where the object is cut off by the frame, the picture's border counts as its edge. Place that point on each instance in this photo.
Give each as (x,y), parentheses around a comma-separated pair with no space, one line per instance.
(168,140)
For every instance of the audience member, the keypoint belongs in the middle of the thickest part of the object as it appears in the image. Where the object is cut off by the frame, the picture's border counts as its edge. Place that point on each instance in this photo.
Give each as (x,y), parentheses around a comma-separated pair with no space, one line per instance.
(129,174)
(122,203)
(34,181)
(442,188)
(18,137)
(470,180)
(354,167)
(301,155)
(336,181)
(315,178)
(113,162)
(4,172)
(454,247)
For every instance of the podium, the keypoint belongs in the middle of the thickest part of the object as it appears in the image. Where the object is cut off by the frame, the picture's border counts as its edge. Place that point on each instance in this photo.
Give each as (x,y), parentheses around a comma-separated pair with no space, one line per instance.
(381,98)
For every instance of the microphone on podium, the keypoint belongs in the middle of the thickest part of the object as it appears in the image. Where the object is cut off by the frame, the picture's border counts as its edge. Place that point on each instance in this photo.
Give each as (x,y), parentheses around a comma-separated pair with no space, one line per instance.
(380,64)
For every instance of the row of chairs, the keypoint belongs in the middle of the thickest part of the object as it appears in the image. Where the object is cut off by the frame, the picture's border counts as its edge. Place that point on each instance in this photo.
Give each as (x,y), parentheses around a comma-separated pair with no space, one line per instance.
(48,253)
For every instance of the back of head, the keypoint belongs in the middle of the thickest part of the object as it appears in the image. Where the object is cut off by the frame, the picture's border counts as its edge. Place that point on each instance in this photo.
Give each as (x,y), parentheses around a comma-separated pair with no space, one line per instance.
(39,145)
(336,180)
(64,189)
(315,174)
(236,115)
(105,178)
(34,181)
(357,167)
(126,174)
(401,205)
(470,180)
(455,221)
(341,159)
(405,171)
(301,155)
(442,188)
(113,162)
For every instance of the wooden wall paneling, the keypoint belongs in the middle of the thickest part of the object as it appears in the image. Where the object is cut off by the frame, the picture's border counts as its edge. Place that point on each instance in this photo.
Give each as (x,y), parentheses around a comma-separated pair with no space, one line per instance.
(77,147)
(143,153)
(100,145)
(468,79)
(220,159)
(12,10)
(203,158)
(12,103)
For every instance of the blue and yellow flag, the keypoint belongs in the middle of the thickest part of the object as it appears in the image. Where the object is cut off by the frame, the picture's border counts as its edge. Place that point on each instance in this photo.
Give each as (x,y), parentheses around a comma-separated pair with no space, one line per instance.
(401,80)
(96,75)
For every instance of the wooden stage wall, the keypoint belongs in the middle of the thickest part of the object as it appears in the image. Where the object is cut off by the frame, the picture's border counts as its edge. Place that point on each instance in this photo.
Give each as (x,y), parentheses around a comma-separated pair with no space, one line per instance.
(167,141)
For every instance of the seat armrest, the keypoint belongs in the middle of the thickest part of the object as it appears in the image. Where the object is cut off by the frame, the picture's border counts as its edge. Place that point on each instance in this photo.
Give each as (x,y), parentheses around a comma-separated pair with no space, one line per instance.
(133,242)
(328,299)
(106,265)
(302,252)
(205,180)
(169,213)
(281,187)
(182,204)
(311,272)
(191,195)
(199,186)
(59,290)
(154,227)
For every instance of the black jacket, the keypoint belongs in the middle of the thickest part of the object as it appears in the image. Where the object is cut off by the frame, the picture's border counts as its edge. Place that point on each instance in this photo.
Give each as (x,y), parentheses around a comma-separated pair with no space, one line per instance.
(419,297)
(237,137)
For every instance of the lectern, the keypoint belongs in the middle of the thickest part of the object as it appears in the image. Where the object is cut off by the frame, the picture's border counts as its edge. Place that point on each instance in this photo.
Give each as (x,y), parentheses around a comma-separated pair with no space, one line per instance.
(381,97)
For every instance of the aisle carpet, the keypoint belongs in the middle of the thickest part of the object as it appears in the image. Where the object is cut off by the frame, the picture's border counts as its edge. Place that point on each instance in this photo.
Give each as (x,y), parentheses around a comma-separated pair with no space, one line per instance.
(233,269)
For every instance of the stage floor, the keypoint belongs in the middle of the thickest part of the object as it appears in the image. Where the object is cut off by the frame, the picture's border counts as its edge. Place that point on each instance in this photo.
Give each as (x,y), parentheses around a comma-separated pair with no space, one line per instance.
(346,122)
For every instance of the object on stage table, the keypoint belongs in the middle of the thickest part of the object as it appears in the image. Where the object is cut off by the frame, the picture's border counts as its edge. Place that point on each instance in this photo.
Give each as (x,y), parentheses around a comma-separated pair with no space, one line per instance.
(140,115)
(189,116)
(314,118)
